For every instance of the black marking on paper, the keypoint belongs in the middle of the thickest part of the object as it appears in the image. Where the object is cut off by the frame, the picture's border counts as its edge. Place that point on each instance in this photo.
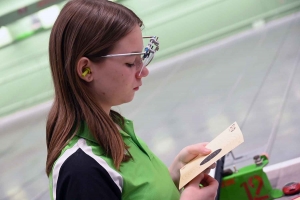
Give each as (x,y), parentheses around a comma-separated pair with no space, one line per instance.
(210,156)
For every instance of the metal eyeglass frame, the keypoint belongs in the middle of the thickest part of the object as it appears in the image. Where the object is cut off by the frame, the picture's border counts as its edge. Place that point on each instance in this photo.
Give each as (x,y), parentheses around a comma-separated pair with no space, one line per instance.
(148,53)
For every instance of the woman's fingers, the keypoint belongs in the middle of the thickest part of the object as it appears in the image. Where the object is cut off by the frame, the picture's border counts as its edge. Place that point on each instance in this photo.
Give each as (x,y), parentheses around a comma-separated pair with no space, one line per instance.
(192,151)
(197,149)
(207,180)
(193,191)
(197,180)
(185,156)
(206,171)
(213,166)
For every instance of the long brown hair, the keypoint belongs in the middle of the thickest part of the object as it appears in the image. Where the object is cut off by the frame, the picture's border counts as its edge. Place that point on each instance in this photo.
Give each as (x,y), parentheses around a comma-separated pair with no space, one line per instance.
(84,28)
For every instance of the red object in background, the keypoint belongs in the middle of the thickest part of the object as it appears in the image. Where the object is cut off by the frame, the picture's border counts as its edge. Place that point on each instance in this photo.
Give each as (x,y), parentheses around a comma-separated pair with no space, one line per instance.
(291,188)
(43,3)
(22,11)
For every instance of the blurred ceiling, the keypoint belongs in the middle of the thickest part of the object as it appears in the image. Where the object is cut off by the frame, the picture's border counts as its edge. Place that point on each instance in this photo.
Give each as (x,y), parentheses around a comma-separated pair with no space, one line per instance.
(181,26)
(7,6)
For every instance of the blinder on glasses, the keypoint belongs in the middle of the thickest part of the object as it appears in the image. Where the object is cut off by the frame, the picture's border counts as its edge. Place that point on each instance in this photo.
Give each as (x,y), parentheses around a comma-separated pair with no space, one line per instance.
(147,55)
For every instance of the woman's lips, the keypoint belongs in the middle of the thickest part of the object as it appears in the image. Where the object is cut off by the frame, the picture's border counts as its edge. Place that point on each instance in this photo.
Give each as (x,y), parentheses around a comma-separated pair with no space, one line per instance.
(136,88)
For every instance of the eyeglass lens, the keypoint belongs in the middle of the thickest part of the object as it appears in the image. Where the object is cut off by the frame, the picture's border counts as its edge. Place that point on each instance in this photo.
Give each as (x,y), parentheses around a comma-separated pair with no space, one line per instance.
(146,60)
(149,52)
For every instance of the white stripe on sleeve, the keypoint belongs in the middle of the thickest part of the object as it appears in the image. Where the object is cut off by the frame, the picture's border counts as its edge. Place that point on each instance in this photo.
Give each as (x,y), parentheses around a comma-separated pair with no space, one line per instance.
(81,143)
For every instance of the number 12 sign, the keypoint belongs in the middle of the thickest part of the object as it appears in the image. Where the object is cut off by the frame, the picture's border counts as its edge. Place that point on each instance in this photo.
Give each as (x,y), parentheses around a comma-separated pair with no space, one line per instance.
(249,183)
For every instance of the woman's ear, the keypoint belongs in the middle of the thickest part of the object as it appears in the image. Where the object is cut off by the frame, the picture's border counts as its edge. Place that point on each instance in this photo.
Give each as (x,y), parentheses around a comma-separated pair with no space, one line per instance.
(83,69)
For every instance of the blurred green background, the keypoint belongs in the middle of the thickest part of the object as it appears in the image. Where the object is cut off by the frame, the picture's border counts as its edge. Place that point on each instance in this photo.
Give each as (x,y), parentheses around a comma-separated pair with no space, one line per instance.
(25,78)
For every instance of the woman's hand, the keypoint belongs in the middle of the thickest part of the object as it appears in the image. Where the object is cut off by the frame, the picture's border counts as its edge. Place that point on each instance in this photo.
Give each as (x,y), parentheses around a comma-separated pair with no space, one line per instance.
(192,191)
(186,155)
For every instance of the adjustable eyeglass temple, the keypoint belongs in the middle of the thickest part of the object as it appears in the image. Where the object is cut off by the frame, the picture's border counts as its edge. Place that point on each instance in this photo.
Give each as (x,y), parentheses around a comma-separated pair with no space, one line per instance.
(149,48)
(153,39)
(123,54)
(148,53)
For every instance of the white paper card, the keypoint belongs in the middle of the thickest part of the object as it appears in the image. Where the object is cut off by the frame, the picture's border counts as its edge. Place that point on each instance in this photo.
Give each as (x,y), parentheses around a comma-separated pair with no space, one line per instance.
(229,139)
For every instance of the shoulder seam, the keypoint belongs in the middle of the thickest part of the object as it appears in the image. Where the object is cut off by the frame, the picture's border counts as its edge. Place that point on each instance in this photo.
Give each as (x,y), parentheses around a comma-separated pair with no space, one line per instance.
(81,143)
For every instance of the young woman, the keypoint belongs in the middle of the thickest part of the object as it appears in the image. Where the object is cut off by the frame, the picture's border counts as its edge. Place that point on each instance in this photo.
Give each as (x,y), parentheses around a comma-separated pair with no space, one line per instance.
(98,61)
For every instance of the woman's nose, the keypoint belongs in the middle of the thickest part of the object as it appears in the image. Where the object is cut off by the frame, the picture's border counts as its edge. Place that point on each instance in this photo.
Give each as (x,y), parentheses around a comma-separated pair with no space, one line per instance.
(143,73)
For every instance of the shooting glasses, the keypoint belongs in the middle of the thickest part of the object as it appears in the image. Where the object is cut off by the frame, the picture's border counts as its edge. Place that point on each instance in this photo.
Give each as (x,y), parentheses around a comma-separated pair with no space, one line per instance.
(146,56)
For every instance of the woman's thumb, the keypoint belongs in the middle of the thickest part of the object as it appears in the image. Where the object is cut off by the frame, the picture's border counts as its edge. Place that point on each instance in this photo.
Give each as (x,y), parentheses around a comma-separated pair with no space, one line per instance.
(197,179)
